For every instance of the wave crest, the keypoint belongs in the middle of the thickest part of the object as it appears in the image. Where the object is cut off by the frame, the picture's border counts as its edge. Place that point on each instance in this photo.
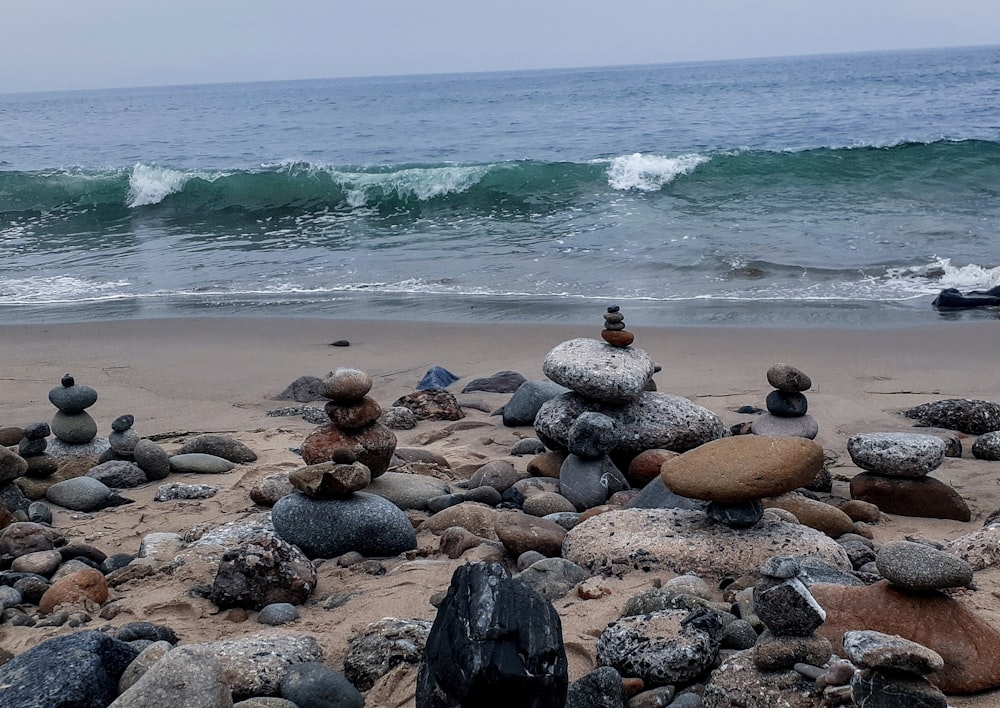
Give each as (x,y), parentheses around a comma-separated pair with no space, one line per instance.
(648,173)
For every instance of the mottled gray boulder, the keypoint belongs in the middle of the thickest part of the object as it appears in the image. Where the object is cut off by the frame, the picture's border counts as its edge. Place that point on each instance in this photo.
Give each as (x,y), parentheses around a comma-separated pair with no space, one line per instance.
(327,528)
(83,494)
(895,690)
(663,647)
(277,614)
(987,446)
(407,491)
(199,463)
(152,459)
(597,370)
(220,446)
(738,682)
(523,406)
(172,492)
(917,566)
(494,642)
(653,420)
(255,665)
(601,688)
(383,646)
(118,474)
(203,685)
(889,652)
(967,415)
(897,454)
(552,577)
(80,670)
(263,571)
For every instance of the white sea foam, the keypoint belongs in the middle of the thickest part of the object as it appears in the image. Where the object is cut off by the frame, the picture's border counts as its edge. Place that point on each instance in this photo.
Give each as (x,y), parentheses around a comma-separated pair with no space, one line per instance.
(36,290)
(422,183)
(149,184)
(648,173)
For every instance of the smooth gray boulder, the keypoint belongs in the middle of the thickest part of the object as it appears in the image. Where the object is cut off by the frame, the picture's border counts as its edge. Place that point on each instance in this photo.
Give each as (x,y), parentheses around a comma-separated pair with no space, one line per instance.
(897,454)
(597,370)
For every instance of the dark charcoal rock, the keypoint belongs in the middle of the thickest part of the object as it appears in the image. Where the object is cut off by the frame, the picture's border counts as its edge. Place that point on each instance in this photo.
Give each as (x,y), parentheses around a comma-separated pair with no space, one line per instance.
(303,390)
(148,631)
(922,496)
(589,482)
(70,398)
(656,495)
(118,474)
(494,643)
(601,688)
(987,447)
(967,415)
(787,607)
(122,423)
(500,382)
(741,515)
(895,691)
(786,405)
(260,572)
(313,683)
(79,670)
(592,435)
(436,377)
(152,459)
(220,446)
(527,399)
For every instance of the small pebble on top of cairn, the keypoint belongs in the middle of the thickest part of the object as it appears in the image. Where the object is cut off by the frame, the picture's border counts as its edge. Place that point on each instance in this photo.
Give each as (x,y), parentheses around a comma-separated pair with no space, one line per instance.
(614,332)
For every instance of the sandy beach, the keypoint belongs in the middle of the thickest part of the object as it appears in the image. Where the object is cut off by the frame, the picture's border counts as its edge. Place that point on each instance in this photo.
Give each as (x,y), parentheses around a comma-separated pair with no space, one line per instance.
(180,377)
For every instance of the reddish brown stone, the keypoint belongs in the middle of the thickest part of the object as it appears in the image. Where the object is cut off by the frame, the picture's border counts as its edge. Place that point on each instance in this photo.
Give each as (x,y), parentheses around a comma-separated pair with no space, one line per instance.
(969,645)
(329,480)
(372,446)
(860,511)
(519,532)
(547,464)
(646,466)
(922,496)
(354,415)
(815,514)
(621,338)
(23,537)
(83,585)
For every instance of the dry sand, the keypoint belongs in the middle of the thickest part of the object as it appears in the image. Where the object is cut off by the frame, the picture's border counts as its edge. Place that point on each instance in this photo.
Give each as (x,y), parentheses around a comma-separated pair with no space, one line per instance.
(188,376)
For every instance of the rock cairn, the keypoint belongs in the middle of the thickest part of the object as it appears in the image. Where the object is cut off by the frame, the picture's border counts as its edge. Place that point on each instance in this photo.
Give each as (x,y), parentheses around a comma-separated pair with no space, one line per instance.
(893,666)
(123,438)
(734,474)
(353,425)
(32,448)
(896,475)
(787,405)
(791,615)
(612,380)
(588,476)
(72,424)
(614,332)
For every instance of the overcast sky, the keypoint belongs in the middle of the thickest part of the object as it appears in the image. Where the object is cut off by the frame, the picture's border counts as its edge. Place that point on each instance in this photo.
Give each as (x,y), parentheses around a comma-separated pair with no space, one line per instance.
(82,44)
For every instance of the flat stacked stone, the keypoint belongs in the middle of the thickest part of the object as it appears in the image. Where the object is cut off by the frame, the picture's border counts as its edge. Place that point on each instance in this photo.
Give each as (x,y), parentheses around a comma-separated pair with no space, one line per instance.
(734,474)
(614,332)
(123,437)
(599,371)
(896,476)
(32,448)
(354,424)
(917,567)
(787,406)
(893,666)
(71,423)
(791,615)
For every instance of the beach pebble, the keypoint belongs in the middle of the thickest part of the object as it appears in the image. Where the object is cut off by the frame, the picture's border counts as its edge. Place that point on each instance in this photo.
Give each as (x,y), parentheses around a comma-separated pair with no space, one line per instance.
(123,443)
(71,398)
(527,446)
(786,405)
(646,466)
(86,584)
(498,474)
(653,420)
(601,688)
(260,572)
(770,425)
(345,385)
(896,454)
(118,474)
(545,503)
(382,646)
(519,532)
(493,636)
(23,537)
(353,415)
(43,563)
(303,390)
(407,491)
(655,495)
(500,382)
(788,378)
(12,466)
(398,418)
(219,446)
(160,545)
(10,597)
(786,607)
(970,416)
(10,435)
(475,518)
(315,684)
(89,664)
(204,681)
(987,446)
(816,514)
(743,468)
(199,463)
(175,491)
(523,406)
(662,647)
(917,496)
(738,634)
(152,459)
(737,515)
(277,613)
(327,528)
(40,513)
(81,494)
(890,652)
(917,566)
(74,428)
(588,482)
(546,465)
(552,578)
(597,371)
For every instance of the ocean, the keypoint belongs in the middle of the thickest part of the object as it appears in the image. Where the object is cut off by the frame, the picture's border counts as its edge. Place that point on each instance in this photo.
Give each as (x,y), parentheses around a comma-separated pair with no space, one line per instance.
(825,191)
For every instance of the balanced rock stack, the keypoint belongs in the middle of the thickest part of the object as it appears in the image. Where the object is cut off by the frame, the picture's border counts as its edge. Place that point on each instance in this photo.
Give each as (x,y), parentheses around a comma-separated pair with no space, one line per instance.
(893,666)
(614,332)
(123,438)
(353,424)
(72,424)
(791,615)
(787,405)
(611,380)
(734,474)
(896,475)
(32,448)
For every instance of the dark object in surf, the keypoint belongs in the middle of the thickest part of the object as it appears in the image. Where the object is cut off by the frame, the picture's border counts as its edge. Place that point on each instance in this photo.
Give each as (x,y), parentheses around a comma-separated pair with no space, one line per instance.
(953,299)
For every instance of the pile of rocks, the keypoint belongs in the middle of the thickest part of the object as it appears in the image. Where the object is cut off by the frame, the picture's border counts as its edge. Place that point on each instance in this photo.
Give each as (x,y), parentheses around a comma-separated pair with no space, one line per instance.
(32,447)
(354,424)
(787,405)
(893,666)
(71,424)
(791,615)
(896,475)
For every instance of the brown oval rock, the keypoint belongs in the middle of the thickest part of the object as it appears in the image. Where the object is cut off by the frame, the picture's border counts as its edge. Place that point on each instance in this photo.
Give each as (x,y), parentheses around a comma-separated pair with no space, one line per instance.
(920,496)
(814,514)
(40,563)
(372,446)
(546,464)
(519,532)
(474,517)
(83,585)
(23,537)
(743,468)
(353,415)
(347,385)
(861,511)
(329,480)
(646,466)
(789,379)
